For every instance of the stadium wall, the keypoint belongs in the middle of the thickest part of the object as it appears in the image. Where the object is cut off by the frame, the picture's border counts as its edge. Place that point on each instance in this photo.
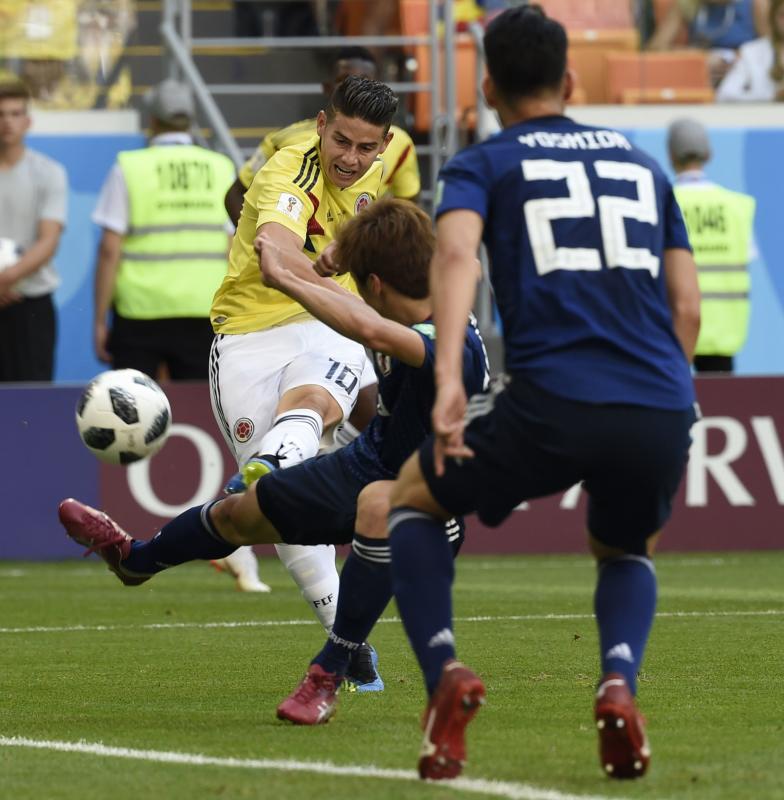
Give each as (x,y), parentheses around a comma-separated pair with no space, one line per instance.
(748,145)
(731,499)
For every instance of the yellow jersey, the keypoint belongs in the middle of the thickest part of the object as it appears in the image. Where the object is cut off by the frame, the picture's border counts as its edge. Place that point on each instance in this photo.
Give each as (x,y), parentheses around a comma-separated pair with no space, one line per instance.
(289,189)
(401,168)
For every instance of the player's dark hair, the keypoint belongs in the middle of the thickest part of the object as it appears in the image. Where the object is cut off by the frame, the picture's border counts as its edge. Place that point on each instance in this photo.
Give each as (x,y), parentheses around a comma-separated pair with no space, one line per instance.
(354,53)
(363,98)
(525,52)
(14,89)
(393,239)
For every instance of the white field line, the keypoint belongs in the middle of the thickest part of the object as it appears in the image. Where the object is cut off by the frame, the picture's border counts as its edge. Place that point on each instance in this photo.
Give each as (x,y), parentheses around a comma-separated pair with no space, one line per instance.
(282,623)
(511,791)
(537,562)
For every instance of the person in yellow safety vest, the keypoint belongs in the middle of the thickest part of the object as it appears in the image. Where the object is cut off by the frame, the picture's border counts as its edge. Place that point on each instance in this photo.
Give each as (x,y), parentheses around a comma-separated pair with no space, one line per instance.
(164,247)
(399,160)
(721,232)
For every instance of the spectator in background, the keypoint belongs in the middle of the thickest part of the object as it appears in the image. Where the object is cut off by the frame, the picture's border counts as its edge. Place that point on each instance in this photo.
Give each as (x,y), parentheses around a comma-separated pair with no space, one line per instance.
(253,18)
(721,233)
(164,247)
(758,74)
(33,203)
(719,26)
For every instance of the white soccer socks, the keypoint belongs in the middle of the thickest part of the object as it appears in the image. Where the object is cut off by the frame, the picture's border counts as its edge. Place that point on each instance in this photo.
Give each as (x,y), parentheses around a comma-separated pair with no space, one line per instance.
(314,571)
(293,437)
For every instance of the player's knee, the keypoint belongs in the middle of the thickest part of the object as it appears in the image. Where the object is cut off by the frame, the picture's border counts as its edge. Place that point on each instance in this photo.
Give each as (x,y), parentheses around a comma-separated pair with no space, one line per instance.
(244,522)
(603,551)
(221,517)
(411,490)
(373,510)
(402,488)
(313,397)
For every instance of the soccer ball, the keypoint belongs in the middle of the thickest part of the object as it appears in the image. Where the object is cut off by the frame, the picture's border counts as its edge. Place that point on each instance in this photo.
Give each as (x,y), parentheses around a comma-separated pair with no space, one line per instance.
(123,416)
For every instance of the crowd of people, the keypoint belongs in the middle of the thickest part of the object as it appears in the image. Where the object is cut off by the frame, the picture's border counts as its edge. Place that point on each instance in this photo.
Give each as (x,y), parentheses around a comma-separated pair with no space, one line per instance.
(70,53)
(273,285)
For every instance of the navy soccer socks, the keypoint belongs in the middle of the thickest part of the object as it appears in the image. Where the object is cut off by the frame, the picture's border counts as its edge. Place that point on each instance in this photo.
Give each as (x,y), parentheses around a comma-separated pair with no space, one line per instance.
(422,574)
(188,537)
(625,604)
(365,591)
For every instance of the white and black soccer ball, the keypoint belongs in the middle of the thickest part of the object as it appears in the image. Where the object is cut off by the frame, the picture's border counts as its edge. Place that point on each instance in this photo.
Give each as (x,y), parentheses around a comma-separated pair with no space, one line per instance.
(123,416)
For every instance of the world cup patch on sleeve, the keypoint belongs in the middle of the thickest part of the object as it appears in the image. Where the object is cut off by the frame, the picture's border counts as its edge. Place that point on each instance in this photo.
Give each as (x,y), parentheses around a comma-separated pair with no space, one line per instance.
(290,205)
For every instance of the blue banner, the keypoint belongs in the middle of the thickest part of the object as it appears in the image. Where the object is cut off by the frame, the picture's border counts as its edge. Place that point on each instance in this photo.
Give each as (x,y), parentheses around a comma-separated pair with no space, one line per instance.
(744,160)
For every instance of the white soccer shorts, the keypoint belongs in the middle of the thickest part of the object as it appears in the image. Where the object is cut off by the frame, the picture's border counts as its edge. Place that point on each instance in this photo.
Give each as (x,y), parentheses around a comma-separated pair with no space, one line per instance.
(250,372)
(368,377)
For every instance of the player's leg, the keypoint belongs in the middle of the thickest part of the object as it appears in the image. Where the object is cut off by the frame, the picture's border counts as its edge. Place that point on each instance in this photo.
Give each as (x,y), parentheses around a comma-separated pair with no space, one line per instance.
(313,503)
(509,465)
(294,437)
(365,585)
(318,390)
(363,411)
(365,591)
(244,372)
(638,459)
(423,572)
(422,562)
(212,530)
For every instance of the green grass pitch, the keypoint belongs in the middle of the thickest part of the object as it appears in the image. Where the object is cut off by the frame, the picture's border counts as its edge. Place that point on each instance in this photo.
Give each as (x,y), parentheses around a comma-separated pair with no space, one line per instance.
(186,665)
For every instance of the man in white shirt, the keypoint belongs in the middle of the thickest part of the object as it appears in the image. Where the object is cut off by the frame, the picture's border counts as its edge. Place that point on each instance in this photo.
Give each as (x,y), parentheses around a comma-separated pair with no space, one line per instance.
(33,207)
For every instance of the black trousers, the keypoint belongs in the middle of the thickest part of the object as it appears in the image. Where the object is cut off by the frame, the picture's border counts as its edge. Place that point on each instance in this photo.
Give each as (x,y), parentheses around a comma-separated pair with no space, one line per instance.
(182,345)
(27,336)
(713,363)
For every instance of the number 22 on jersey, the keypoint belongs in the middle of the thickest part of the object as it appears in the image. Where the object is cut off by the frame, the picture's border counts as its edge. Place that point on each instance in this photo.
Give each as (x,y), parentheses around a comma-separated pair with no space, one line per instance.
(580,203)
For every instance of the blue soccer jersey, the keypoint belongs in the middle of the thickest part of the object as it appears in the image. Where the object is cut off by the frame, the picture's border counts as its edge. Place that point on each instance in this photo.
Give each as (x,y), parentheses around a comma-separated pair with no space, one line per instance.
(405,400)
(576,222)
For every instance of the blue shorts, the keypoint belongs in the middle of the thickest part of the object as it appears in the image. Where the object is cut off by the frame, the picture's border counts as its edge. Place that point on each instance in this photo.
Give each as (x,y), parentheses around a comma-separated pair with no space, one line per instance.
(529,443)
(315,502)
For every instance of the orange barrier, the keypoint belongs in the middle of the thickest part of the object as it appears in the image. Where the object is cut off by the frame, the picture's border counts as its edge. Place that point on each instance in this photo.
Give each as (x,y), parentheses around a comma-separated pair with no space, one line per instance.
(665,76)
(587,57)
(465,79)
(589,14)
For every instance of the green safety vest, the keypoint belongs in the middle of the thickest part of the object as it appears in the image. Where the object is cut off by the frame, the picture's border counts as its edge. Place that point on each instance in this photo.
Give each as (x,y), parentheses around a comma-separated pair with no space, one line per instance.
(720,225)
(174,255)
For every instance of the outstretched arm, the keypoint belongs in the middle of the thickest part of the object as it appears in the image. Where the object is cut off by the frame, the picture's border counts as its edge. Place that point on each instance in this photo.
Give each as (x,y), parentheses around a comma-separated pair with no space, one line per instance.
(279,247)
(454,273)
(109,254)
(683,297)
(343,311)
